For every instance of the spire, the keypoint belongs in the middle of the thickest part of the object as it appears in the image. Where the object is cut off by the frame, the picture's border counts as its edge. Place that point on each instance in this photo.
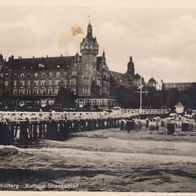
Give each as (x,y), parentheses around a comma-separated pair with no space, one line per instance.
(89,43)
(130,67)
(103,58)
(77,57)
(89,31)
(1,56)
(103,55)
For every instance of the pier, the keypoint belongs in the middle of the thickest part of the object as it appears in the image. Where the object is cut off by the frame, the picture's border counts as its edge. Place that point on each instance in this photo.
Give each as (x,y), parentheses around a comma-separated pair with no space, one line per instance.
(25,127)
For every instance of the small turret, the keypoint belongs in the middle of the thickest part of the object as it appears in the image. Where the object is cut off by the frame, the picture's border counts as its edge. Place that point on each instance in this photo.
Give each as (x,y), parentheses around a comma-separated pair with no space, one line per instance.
(77,57)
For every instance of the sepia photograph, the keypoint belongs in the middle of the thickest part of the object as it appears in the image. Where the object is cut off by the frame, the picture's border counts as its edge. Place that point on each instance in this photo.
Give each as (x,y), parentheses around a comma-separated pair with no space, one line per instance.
(98,96)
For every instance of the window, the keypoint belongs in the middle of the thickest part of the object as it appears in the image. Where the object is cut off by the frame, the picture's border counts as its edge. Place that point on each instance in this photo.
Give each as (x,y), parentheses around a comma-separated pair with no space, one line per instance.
(65,82)
(43,91)
(50,102)
(50,91)
(28,75)
(85,90)
(35,91)
(57,82)
(6,83)
(43,75)
(72,82)
(98,82)
(42,83)
(22,83)
(49,82)
(50,74)
(22,91)
(15,82)
(56,90)
(73,90)
(41,65)
(36,82)
(28,82)
(14,91)
(28,91)
(22,75)
(35,75)
(58,74)
(94,102)
(65,73)
(74,73)
(86,80)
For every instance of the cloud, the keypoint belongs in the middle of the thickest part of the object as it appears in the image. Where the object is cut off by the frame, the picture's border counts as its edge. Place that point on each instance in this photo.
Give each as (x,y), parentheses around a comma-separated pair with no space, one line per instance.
(165,68)
(167,54)
(161,41)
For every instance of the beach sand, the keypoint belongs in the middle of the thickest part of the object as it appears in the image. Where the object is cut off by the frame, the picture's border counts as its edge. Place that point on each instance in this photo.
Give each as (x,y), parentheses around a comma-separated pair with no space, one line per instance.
(104,160)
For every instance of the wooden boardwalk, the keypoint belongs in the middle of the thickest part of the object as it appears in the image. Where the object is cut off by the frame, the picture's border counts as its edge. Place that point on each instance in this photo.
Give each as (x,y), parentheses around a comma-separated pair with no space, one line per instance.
(25,127)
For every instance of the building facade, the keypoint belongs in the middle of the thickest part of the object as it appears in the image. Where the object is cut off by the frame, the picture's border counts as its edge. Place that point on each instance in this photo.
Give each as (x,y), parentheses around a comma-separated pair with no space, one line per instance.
(87,75)
(37,81)
(180,86)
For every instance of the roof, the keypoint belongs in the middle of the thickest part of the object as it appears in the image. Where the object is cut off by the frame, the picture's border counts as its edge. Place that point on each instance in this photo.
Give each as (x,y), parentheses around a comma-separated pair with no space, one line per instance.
(43,62)
(122,79)
(179,105)
(99,59)
(137,76)
(178,85)
(152,80)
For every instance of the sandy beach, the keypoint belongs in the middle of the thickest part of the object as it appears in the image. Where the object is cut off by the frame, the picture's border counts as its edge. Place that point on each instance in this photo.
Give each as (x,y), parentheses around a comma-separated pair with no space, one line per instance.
(103,160)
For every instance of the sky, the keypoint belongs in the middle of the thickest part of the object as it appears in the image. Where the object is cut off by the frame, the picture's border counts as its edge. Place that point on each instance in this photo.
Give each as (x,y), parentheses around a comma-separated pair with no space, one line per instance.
(161,39)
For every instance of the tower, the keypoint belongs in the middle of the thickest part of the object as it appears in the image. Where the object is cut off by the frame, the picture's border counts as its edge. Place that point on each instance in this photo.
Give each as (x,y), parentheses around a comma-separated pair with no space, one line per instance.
(89,49)
(130,67)
(89,43)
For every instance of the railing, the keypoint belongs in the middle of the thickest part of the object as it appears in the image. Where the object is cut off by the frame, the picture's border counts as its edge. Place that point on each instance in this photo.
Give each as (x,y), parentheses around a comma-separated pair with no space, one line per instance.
(44,116)
(25,127)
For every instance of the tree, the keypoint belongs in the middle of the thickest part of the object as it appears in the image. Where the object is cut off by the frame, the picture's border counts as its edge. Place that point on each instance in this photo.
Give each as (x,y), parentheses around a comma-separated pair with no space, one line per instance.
(65,98)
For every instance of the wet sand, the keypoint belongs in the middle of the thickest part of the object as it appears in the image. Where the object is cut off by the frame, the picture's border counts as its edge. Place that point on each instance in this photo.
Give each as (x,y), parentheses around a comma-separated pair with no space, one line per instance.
(104,160)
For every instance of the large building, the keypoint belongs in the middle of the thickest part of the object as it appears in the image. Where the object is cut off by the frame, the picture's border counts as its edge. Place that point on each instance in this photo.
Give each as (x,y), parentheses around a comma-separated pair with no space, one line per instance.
(180,86)
(36,81)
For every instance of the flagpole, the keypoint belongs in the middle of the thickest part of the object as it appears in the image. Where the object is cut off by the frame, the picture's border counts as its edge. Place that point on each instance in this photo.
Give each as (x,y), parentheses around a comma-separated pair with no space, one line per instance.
(141,98)
(141,86)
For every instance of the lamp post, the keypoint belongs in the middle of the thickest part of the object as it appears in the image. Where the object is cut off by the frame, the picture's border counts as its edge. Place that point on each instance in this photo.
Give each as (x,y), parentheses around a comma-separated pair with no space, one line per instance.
(141,87)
